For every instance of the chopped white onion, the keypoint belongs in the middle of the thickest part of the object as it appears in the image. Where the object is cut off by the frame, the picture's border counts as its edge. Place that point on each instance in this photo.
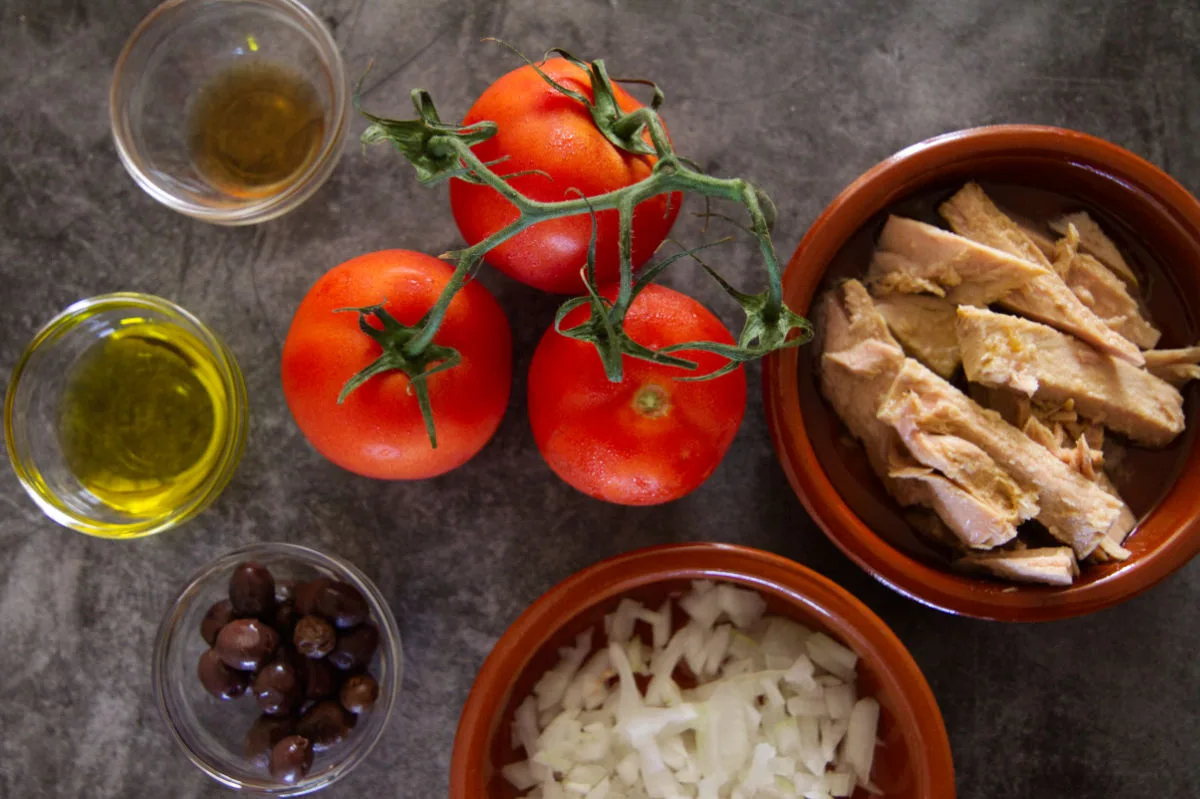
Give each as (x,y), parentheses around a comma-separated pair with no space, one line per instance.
(660,626)
(520,775)
(840,701)
(831,656)
(774,713)
(618,626)
(859,751)
(702,608)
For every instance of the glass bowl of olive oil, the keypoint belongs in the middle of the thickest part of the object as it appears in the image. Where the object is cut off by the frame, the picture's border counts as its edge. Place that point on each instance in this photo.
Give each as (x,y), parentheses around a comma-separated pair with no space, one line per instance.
(230,111)
(125,416)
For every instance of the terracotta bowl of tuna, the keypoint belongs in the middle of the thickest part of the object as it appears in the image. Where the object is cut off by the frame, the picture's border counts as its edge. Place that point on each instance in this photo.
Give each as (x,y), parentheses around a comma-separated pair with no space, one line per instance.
(997,416)
(554,683)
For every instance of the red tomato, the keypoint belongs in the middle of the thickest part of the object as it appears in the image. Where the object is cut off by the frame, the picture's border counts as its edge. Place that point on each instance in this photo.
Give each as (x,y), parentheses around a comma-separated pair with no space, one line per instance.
(649,438)
(378,431)
(541,128)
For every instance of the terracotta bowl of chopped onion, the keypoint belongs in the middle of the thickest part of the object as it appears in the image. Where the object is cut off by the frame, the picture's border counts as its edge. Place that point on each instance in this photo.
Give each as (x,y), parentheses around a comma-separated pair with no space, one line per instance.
(699,670)
(1151,227)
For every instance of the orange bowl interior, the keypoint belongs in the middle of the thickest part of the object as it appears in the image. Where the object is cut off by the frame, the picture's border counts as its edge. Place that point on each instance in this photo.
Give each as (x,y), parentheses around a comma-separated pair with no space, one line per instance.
(1145,210)
(912,762)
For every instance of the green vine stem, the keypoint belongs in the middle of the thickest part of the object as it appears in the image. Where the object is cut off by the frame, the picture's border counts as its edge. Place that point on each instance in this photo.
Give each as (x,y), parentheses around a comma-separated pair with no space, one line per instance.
(440,151)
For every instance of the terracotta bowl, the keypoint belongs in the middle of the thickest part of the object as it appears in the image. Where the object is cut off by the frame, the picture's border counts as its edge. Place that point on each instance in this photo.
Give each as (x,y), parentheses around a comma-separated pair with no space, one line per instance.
(1044,171)
(913,761)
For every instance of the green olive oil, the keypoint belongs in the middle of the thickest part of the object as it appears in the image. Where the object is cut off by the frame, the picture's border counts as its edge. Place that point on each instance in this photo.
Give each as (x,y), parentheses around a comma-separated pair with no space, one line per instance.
(142,416)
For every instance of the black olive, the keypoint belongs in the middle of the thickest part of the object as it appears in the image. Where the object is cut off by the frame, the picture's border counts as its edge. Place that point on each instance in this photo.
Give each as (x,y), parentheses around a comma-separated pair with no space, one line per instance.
(218,679)
(355,648)
(314,637)
(251,589)
(220,614)
(246,644)
(291,759)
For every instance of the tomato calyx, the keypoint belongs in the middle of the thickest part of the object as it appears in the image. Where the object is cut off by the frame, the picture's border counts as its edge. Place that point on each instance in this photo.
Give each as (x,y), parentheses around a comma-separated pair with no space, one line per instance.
(423,140)
(396,340)
(622,129)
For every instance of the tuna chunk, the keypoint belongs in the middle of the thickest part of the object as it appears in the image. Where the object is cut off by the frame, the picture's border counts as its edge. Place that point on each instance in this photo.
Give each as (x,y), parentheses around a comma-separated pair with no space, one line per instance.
(1002,351)
(1049,427)
(1184,355)
(978,500)
(913,257)
(1096,243)
(1072,508)
(859,361)
(1103,292)
(1046,297)
(1177,374)
(972,213)
(1110,546)
(1175,366)
(969,466)
(925,326)
(1049,565)
(976,523)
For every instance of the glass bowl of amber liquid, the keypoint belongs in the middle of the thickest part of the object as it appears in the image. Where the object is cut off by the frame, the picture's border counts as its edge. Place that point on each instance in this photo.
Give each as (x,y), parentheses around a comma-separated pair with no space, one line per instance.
(125,416)
(230,111)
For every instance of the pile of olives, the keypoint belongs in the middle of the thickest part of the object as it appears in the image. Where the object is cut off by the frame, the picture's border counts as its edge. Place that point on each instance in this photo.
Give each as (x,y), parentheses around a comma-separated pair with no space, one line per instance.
(302,650)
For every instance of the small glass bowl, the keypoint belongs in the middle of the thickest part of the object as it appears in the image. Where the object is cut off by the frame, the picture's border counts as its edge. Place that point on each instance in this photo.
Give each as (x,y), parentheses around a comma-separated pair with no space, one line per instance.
(174,53)
(32,411)
(210,731)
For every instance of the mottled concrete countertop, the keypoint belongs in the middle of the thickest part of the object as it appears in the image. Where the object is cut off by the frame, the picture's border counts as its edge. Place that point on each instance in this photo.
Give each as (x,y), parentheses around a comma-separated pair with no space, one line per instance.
(800,96)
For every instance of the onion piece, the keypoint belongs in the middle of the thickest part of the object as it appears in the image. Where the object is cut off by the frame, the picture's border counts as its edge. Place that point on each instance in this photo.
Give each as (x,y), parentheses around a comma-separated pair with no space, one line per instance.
(519,775)
(702,608)
(743,606)
(831,656)
(619,625)
(660,626)
(859,749)
(839,700)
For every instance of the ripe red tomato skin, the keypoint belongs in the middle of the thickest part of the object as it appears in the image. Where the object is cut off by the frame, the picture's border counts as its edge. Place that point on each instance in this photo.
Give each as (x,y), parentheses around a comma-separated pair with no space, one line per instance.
(540,128)
(378,431)
(589,431)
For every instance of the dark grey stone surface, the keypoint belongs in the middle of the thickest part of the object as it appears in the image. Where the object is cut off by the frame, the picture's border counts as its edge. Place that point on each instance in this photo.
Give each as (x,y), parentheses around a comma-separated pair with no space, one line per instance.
(799,96)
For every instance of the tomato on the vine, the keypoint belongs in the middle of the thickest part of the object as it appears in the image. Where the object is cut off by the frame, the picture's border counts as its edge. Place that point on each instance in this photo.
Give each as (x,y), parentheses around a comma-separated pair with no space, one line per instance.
(650,438)
(539,128)
(378,431)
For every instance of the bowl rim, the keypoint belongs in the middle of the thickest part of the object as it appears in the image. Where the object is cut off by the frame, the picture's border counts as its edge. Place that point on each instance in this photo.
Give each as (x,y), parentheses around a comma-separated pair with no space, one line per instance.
(608,579)
(267,208)
(931,586)
(168,630)
(214,483)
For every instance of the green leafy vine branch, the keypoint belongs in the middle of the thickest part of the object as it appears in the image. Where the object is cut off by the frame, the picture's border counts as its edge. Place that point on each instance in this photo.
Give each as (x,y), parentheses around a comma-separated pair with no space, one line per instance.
(440,151)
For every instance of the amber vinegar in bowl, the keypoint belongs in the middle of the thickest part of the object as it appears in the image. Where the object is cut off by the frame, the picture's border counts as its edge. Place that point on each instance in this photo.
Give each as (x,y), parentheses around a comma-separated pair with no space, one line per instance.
(125,416)
(230,111)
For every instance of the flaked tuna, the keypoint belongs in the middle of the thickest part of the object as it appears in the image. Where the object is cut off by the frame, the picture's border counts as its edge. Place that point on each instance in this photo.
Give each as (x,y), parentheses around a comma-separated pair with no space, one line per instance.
(1002,351)
(1075,510)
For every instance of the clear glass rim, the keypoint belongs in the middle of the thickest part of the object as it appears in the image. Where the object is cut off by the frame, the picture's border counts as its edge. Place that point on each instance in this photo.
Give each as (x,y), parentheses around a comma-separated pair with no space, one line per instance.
(389,640)
(267,208)
(232,448)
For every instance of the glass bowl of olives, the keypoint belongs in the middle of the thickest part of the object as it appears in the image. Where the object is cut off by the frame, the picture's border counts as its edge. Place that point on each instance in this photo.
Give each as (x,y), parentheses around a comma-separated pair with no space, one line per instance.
(276,669)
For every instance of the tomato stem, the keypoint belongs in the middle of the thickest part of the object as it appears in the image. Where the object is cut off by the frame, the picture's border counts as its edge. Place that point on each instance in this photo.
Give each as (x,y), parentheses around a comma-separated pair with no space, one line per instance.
(393,338)
(440,151)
